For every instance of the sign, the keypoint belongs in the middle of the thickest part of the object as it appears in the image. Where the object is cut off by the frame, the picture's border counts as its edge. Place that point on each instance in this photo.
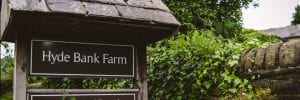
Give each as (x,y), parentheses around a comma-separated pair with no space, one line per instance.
(63,58)
(126,96)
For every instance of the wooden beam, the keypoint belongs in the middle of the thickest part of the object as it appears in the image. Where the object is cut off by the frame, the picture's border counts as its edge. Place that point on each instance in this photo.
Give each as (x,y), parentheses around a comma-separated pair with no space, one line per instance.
(82,91)
(22,48)
(141,72)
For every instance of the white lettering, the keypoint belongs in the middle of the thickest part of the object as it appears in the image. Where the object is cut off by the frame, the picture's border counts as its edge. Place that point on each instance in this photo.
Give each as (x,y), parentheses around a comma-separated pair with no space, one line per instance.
(114,60)
(80,58)
(53,58)
(48,56)
(96,58)
(86,58)
(76,57)
(104,58)
(67,58)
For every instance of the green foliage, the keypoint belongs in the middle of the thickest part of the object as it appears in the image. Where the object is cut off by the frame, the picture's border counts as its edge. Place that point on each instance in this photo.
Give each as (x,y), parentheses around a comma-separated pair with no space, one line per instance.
(296,16)
(174,68)
(81,83)
(6,76)
(200,65)
(223,17)
(6,96)
(263,94)
(107,83)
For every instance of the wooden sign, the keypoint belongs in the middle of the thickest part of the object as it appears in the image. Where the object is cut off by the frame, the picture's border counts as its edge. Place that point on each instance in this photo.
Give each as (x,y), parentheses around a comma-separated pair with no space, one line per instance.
(64,58)
(125,96)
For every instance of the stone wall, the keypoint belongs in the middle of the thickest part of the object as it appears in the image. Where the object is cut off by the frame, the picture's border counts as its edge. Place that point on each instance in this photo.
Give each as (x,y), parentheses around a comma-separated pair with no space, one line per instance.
(276,67)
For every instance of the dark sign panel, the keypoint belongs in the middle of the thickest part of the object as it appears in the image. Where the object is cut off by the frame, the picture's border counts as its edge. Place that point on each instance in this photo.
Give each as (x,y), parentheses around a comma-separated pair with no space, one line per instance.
(126,96)
(63,58)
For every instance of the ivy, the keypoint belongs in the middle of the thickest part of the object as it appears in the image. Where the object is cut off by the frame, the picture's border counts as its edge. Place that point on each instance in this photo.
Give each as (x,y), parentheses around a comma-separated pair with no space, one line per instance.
(200,65)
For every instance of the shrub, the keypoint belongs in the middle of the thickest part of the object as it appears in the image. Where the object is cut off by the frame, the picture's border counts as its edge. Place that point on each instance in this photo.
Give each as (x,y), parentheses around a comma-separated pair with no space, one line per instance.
(200,65)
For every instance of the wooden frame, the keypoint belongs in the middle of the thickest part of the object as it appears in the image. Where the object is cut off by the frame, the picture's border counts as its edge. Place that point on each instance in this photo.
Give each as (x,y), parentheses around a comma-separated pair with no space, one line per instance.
(83,75)
(22,63)
(20,69)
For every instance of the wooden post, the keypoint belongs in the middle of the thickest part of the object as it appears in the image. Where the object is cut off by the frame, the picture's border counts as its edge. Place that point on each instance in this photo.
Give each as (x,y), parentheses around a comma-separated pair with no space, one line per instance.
(141,72)
(21,64)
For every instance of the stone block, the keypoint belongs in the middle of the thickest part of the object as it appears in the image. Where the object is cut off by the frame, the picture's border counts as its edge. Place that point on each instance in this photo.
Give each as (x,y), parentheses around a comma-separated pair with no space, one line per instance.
(141,3)
(260,58)
(288,96)
(66,6)
(37,5)
(16,4)
(242,62)
(152,4)
(271,54)
(165,17)
(115,2)
(160,5)
(147,15)
(289,54)
(278,86)
(101,9)
(249,63)
(134,13)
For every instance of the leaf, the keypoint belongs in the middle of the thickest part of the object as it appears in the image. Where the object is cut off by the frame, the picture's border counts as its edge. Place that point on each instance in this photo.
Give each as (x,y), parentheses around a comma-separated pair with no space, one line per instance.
(237,81)
(207,84)
(233,90)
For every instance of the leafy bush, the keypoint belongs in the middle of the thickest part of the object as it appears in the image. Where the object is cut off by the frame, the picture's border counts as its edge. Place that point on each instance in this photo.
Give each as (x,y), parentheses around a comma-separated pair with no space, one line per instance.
(200,65)
(6,76)
(81,83)
(223,17)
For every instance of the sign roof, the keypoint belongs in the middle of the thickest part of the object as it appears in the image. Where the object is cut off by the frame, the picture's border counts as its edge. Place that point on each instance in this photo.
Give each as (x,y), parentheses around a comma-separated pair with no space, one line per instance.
(153,13)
